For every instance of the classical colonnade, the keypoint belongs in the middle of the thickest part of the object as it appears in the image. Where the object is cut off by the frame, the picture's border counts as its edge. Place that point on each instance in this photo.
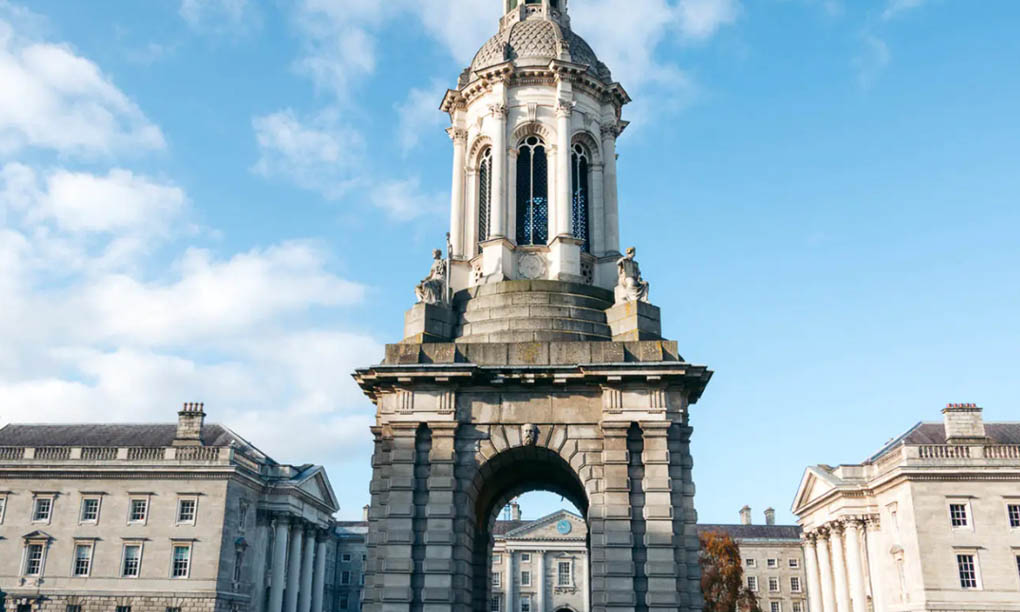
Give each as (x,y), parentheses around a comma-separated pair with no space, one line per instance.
(836,562)
(299,566)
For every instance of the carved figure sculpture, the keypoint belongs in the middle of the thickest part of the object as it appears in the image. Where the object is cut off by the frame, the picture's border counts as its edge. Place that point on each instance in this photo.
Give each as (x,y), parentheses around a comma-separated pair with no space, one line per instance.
(432,289)
(630,287)
(529,434)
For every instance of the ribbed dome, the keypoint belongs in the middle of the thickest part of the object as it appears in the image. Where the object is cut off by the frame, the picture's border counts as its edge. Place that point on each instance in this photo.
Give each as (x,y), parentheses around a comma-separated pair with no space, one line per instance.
(537,41)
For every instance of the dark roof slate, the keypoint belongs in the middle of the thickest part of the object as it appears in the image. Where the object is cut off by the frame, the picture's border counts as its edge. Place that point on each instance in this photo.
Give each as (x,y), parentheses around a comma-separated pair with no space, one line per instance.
(111,434)
(502,527)
(758,532)
(935,433)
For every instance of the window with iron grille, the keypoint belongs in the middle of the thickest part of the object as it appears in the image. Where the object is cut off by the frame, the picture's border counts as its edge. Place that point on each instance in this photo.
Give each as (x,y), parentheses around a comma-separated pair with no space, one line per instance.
(532,193)
(186,509)
(579,206)
(968,571)
(43,509)
(33,560)
(484,194)
(132,561)
(958,515)
(181,561)
(1014,515)
(139,510)
(90,510)
(82,559)
(563,577)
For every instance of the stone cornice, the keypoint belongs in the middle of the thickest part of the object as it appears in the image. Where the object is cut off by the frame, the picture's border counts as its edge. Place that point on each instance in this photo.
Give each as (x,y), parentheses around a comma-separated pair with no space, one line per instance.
(511,75)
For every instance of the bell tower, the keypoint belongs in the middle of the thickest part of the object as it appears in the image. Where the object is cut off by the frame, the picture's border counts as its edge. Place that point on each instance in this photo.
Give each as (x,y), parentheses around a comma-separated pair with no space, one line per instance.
(533,359)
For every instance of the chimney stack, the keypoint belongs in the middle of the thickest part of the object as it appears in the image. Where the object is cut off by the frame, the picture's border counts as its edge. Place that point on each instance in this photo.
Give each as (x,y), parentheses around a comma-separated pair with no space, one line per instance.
(364,512)
(963,423)
(515,511)
(745,515)
(189,424)
(770,516)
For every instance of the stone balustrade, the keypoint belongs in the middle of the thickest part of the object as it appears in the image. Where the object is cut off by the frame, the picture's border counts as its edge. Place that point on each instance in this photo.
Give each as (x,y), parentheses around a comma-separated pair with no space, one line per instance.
(222,455)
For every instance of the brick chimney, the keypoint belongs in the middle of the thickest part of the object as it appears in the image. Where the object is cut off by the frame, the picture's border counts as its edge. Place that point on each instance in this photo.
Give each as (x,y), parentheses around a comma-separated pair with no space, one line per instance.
(515,511)
(189,424)
(963,423)
(770,516)
(364,512)
(745,515)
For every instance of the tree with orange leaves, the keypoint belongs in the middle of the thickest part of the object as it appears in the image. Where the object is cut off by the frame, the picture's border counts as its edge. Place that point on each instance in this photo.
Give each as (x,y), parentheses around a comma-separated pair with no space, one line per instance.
(722,575)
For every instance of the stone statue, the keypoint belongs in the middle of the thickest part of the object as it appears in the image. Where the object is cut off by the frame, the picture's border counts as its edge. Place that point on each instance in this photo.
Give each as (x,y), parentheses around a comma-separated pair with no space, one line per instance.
(630,287)
(432,289)
(529,434)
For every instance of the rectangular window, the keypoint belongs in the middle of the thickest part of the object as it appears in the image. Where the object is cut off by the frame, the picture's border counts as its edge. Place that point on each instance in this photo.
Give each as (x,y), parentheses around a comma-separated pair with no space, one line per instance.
(496,559)
(345,557)
(794,563)
(1018,564)
(772,563)
(563,577)
(344,601)
(750,562)
(795,584)
(123,608)
(525,578)
(775,606)
(34,560)
(174,609)
(958,515)
(186,510)
(139,510)
(42,510)
(1012,509)
(495,580)
(525,557)
(752,583)
(3,507)
(72,608)
(797,607)
(773,584)
(497,604)
(525,603)
(132,561)
(181,567)
(82,559)
(242,514)
(89,510)
(345,577)
(967,566)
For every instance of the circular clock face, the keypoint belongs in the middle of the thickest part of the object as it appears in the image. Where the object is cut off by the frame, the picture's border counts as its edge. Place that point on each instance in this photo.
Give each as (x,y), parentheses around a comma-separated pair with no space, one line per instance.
(564,527)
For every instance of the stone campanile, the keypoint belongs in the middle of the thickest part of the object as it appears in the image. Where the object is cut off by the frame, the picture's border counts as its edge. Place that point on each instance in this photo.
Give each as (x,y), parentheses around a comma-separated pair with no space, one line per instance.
(533,359)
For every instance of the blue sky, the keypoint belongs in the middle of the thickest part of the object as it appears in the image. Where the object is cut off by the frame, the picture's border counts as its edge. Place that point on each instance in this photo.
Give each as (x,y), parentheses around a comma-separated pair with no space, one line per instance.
(229,201)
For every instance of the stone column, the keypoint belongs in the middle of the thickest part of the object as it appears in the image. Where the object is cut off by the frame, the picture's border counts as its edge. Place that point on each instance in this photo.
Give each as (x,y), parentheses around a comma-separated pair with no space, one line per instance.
(839,568)
(319,580)
(294,567)
(612,543)
(442,583)
(471,203)
(811,569)
(497,224)
(873,543)
(597,217)
(281,528)
(858,594)
(540,585)
(609,196)
(307,571)
(563,200)
(508,583)
(661,566)
(457,211)
(825,572)
(586,584)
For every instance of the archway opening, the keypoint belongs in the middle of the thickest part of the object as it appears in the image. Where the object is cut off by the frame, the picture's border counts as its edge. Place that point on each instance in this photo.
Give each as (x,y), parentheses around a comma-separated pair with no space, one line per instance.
(526,563)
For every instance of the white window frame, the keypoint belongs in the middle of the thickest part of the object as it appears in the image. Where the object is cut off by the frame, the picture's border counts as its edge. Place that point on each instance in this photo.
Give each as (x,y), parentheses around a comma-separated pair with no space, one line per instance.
(775,606)
(91,543)
(43,550)
(525,603)
(87,497)
(796,606)
(751,562)
(174,545)
(525,574)
(142,497)
(497,580)
(180,504)
(973,553)
(752,583)
(772,563)
(795,585)
(40,497)
(525,557)
(3,506)
(497,559)
(1016,557)
(570,573)
(123,558)
(794,563)
(969,514)
(1011,503)
(779,585)
(496,604)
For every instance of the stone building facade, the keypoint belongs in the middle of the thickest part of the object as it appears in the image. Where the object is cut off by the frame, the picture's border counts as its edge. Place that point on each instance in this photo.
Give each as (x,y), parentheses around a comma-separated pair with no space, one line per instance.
(533,360)
(772,559)
(352,557)
(930,522)
(155,518)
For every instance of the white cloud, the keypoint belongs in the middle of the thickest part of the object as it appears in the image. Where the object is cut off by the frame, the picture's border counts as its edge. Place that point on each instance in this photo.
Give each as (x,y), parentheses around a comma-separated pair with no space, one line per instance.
(895,7)
(215,14)
(872,60)
(419,113)
(53,98)
(700,19)
(404,200)
(318,154)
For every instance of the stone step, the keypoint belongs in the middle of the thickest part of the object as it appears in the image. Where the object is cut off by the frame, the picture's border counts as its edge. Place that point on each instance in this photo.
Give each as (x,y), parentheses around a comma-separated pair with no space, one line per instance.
(503,300)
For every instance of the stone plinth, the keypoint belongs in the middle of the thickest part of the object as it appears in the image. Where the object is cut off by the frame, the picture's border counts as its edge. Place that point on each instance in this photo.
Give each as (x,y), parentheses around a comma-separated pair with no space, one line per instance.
(632,321)
(428,323)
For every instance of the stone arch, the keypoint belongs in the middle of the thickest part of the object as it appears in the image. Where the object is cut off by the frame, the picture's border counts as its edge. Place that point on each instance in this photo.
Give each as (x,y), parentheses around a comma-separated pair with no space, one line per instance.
(584,137)
(532,128)
(475,150)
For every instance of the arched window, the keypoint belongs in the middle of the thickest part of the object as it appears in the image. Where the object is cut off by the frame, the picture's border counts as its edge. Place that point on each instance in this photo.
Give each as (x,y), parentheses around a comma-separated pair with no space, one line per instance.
(532,193)
(484,194)
(579,204)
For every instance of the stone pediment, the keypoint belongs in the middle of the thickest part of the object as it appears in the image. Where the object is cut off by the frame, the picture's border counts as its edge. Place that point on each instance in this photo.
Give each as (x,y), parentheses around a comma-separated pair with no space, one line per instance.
(315,483)
(37,535)
(815,483)
(551,527)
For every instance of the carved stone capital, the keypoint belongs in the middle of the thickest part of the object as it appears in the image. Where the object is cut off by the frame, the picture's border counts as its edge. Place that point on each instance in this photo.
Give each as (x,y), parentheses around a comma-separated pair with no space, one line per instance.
(499,111)
(457,135)
(564,108)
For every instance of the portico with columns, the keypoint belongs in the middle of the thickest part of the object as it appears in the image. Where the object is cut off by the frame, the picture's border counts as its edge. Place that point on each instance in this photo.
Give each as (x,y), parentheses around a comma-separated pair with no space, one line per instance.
(836,557)
(298,569)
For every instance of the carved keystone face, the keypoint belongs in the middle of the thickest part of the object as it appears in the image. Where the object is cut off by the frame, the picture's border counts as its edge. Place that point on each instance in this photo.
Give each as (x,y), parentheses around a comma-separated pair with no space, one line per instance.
(529,434)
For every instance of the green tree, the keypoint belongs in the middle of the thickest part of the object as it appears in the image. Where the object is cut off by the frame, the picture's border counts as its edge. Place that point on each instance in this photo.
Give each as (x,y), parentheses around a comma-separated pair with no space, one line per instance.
(722,575)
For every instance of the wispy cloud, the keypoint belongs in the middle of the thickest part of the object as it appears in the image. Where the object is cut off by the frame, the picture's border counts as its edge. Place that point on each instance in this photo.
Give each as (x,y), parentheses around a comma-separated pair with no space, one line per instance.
(895,7)
(872,60)
(419,112)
